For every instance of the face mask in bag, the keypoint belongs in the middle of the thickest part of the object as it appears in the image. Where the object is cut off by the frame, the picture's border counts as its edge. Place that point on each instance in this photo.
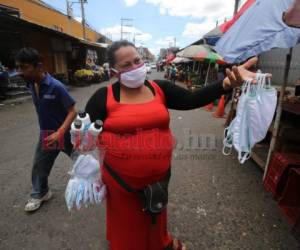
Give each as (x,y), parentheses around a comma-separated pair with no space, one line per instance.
(244,149)
(85,186)
(261,109)
(233,131)
(237,134)
(254,117)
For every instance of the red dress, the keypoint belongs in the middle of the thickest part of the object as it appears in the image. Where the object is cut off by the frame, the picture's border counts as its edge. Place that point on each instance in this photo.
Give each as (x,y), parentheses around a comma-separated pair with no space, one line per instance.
(139,147)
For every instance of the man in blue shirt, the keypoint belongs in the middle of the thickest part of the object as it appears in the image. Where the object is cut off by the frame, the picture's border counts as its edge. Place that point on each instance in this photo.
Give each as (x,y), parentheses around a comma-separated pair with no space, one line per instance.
(56,111)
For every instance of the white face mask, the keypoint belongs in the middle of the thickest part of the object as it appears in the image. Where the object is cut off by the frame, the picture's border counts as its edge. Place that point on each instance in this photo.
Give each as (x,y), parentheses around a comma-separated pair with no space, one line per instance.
(254,115)
(133,78)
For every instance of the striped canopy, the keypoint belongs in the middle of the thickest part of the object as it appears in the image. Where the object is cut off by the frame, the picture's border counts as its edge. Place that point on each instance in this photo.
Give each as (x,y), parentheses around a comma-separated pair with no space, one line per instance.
(193,50)
(209,56)
(201,53)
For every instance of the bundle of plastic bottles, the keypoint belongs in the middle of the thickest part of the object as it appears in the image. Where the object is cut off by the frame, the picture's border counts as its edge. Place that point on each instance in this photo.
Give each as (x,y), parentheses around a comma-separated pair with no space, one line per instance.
(85,186)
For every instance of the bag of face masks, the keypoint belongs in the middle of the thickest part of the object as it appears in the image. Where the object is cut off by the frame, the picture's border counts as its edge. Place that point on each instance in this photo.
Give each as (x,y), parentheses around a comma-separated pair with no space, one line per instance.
(255,112)
(85,186)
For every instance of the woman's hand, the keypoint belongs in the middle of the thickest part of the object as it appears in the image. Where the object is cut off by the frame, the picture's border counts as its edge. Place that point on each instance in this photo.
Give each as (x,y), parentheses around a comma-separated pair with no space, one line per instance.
(237,75)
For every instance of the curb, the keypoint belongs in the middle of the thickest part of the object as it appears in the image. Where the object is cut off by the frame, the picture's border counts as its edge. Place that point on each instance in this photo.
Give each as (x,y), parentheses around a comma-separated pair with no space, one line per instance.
(18,100)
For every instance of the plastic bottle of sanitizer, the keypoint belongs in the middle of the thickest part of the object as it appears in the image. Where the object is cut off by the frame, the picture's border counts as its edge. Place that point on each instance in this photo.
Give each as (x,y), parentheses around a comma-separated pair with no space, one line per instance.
(84,118)
(77,132)
(93,132)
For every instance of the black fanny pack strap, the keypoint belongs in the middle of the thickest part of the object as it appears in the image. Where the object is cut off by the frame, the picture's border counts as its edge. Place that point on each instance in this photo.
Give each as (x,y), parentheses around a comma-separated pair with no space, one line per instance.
(122,183)
(165,181)
(119,179)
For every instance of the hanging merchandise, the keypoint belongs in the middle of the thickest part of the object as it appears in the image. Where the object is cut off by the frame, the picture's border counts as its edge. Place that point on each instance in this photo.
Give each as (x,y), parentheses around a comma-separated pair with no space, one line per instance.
(255,112)
(233,133)
(85,186)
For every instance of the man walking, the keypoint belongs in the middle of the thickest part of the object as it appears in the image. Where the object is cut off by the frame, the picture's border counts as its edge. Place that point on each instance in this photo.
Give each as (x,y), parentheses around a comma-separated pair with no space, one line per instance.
(56,111)
(173,72)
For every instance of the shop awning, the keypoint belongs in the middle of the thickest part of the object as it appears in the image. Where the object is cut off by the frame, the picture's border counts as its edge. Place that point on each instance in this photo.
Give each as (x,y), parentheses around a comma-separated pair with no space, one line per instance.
(209,56)
(170,57)
(193,50)
(181,60)
(94,44)
(103,45)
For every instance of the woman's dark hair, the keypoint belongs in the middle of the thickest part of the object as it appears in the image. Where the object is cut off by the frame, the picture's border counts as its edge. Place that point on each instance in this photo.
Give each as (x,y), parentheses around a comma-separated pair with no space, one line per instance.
(29,55)
(113,48)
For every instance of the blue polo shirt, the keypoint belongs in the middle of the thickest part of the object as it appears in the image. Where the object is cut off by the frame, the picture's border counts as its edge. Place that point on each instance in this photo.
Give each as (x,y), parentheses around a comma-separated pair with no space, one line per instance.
(52,104)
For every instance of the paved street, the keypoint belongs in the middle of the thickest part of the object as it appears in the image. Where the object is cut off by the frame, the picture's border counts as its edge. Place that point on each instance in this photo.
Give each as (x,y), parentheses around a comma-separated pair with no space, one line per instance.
(215,203)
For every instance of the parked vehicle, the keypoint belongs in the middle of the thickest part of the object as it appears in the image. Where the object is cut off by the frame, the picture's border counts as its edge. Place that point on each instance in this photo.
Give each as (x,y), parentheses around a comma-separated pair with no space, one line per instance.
(153,65)
(148,67)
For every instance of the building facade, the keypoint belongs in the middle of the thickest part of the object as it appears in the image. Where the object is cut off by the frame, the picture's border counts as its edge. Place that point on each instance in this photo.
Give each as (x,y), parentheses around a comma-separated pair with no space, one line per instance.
(31,23)
(146,54)
(38,12)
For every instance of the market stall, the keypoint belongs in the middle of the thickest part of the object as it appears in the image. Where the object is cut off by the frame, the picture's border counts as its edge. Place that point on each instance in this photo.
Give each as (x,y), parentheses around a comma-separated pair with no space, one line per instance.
(245,39)
(205,62)
(278,154)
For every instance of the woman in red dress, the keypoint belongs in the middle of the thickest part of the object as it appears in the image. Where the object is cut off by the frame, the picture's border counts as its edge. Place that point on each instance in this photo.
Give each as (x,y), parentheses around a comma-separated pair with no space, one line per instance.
(139,143)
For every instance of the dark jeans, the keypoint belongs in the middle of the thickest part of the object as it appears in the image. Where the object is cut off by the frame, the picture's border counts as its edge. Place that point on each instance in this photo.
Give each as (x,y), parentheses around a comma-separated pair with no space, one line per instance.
(173,79)
(106,74)
(42,164)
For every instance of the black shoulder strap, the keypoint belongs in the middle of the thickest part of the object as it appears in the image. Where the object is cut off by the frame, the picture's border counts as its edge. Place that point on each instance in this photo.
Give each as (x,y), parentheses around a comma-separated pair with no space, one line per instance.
(148,83)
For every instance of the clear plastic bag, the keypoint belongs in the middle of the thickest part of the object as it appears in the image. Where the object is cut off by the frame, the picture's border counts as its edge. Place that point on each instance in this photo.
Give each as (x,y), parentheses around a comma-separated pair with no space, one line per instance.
(85,186)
